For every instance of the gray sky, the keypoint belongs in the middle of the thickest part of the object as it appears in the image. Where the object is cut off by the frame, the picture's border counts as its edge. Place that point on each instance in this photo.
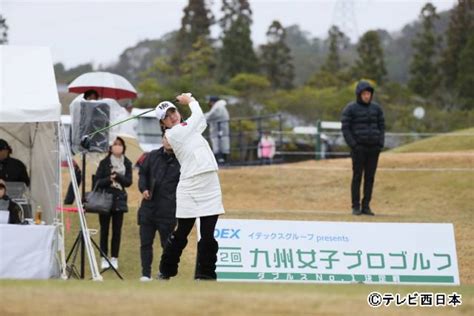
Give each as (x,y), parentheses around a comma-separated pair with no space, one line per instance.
(98,31)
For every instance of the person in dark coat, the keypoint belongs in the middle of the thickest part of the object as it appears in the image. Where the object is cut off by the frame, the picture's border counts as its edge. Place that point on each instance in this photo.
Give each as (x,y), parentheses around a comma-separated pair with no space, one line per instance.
(113,175)
(11,169)
(363,127)
(69,198)
(7,204)
(158,178)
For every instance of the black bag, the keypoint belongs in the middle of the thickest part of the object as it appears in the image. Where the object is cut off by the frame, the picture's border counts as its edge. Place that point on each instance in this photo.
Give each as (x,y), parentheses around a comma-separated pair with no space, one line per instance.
(98,202)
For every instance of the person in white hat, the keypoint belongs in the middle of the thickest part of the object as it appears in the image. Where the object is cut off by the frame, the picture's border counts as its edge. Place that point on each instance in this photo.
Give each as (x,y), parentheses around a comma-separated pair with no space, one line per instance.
(198,194)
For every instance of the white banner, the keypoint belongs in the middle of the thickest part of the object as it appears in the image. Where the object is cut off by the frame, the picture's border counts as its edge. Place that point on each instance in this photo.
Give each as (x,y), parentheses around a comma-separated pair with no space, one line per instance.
(336,252)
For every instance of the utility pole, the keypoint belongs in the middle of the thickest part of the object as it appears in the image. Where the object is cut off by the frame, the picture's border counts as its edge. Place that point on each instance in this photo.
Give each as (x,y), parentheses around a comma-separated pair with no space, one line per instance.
(344,18)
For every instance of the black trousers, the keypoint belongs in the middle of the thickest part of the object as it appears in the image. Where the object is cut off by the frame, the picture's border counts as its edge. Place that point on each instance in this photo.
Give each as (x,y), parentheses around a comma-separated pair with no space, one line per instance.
(147,237)
(221,158)
(69,199)
(117,221)
(364,163)
(207,248)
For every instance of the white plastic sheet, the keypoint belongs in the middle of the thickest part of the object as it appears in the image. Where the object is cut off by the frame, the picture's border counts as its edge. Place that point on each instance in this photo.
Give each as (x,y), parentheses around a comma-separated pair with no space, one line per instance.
(90,116)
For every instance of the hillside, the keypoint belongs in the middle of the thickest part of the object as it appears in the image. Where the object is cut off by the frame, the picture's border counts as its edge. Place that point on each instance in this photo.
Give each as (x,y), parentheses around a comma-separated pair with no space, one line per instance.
(462,140)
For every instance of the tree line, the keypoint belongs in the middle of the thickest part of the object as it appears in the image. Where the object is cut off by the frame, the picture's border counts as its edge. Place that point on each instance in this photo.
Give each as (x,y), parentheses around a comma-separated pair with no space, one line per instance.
(441,69)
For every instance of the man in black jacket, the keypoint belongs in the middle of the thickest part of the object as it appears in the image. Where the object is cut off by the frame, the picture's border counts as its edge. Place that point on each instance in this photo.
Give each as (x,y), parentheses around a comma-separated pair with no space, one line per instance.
(11,169)
(7,204)
(158,178)
(363,126)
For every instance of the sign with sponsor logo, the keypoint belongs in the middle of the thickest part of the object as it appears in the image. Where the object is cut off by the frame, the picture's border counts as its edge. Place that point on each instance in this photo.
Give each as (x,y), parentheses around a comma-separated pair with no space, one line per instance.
(336,252)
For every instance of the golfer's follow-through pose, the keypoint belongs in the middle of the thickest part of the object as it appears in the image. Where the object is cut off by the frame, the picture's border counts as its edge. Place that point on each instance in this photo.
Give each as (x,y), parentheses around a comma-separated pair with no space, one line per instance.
(198,194)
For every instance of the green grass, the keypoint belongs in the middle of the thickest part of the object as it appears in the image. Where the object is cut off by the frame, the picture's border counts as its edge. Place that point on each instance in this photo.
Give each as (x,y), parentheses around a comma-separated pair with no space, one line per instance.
(443,143)
(293,193)
(185,297)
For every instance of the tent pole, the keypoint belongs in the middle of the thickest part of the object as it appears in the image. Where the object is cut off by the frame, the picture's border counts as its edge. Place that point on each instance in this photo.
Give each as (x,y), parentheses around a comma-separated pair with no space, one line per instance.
(86,240)
(62,250)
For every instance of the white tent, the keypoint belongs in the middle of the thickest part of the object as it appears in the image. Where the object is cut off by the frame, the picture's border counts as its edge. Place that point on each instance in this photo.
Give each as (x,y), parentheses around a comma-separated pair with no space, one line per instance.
(29,120)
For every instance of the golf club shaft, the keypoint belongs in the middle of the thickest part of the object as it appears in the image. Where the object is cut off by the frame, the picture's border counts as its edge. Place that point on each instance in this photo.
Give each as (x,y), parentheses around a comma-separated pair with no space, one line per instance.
(117,123)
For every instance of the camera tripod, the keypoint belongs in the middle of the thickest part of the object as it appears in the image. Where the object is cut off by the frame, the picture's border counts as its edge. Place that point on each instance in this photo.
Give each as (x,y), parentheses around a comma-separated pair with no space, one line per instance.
(79,246)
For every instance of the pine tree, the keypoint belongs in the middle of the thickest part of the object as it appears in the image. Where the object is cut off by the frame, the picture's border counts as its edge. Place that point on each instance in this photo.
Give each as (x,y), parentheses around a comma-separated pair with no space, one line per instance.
(370,63)
(276,60)
(237,54)
(333,62)
(232,9)
(423,68)
(199,64)
(460,26)
(195,24)
(3,30)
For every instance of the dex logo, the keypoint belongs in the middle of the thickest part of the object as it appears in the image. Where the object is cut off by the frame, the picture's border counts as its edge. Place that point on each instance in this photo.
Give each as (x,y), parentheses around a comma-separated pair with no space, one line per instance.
(227,233)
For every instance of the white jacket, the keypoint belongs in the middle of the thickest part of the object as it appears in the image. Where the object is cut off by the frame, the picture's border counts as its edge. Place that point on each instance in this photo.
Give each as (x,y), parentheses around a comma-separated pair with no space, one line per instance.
(190,147)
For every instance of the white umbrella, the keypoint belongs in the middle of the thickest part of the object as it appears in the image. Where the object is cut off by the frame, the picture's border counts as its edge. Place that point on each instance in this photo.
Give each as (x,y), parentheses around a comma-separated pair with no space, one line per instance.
(107,84)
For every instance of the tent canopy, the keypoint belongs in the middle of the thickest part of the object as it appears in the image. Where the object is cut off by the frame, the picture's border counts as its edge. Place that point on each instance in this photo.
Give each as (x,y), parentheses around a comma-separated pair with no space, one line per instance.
(28,91)
(29,117)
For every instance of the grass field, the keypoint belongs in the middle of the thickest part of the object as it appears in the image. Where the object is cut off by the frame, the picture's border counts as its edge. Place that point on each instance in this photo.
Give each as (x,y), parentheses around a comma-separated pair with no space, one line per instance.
(456,141)
(410,187)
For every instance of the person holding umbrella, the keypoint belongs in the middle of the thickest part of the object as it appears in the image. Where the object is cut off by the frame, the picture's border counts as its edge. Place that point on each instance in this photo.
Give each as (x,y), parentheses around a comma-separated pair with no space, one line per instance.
(198,193)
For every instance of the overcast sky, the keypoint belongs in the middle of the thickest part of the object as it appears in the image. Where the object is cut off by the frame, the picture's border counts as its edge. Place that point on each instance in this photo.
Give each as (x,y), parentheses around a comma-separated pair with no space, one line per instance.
(98,31)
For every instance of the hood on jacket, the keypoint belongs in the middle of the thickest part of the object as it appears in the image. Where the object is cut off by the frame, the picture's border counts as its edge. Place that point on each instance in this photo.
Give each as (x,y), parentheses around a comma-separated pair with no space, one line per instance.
(363,86)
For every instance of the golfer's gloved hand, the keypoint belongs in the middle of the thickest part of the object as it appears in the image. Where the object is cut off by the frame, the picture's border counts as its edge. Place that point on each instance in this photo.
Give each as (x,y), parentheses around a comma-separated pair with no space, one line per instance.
(185,98)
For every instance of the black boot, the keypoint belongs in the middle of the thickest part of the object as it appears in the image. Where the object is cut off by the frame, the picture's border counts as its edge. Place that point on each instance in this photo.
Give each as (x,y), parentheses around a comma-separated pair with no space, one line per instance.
(356,211)
(170,257)
(367,211)
(206,260)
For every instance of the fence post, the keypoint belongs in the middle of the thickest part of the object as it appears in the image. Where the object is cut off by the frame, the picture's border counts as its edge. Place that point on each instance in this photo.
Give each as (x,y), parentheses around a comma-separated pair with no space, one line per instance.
(240,142)
(280,127)
(318,141)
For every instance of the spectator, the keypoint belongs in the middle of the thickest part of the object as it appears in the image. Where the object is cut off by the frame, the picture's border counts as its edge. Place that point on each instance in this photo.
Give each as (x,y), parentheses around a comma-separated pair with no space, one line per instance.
(13,208)
(363,127)
(11,169)
(69,198)
(158,179)
(266,149)
(113,175)
(218,120)
(91,95)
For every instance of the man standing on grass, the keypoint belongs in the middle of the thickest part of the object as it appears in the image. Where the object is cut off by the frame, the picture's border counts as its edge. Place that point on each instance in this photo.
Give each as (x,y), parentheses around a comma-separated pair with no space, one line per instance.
(363,127)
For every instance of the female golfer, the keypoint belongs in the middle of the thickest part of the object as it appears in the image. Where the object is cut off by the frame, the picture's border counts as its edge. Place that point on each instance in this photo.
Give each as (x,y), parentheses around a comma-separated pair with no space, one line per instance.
(198,194)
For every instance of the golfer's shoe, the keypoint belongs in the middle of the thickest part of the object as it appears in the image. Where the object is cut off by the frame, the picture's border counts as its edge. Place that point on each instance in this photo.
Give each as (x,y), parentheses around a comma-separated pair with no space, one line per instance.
(146,279)
(162,277)
(356,211)
(201,278)
(367,211)
(104,264)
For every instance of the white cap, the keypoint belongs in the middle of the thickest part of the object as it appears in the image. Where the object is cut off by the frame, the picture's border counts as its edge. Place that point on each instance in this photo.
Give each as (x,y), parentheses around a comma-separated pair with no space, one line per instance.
(161,109)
